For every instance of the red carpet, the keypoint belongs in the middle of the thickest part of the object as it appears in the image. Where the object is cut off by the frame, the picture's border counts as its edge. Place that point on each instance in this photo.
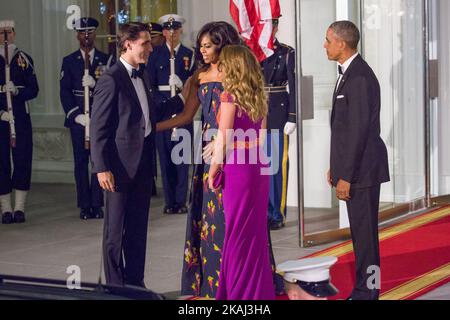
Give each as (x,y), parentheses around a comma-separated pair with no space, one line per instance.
(415,258)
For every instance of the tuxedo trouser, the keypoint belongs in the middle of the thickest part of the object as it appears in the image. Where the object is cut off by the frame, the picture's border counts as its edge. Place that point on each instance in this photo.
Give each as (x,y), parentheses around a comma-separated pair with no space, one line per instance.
(363,210)
(126,226)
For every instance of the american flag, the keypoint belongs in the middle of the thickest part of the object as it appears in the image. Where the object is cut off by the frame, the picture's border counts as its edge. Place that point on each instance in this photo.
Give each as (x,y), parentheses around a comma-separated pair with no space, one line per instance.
(254,21)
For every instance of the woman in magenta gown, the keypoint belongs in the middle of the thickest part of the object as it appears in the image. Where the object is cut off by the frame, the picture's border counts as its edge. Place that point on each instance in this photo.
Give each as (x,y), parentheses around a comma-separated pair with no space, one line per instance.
(246,272)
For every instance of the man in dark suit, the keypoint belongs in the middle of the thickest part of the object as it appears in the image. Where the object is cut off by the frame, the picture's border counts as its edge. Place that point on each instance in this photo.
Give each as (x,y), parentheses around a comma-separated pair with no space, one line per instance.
(72,83)
(174,177)
(22,87)
(359,162)
(123,149)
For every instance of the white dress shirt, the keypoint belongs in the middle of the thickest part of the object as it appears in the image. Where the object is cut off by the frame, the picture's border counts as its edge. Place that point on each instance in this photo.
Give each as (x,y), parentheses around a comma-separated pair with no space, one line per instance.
(11,48)
(345,67)
(175,49)
(91,55)
(139,86)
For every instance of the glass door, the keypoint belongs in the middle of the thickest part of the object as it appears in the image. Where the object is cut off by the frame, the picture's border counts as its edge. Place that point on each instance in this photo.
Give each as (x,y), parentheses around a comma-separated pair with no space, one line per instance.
(111,13)
(392,43)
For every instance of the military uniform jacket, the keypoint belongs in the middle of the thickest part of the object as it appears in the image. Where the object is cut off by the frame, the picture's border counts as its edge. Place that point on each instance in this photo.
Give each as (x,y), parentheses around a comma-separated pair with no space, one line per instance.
(279,71)
(159,68)
(71,88)
(24,78)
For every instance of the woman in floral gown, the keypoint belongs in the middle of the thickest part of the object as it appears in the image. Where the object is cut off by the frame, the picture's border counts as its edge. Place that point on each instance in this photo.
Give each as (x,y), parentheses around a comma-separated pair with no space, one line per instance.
(205,229)
(205,226)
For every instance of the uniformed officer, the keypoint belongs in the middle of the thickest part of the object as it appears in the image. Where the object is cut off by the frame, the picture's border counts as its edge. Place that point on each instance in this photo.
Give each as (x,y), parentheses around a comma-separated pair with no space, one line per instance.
(72,84)
(279,73)
(157,35)
(157,41)
(308,279)
(175,177)
(23,87)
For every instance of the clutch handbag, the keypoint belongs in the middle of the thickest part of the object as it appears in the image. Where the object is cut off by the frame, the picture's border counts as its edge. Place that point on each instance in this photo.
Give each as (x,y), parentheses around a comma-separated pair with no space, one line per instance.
(219,180)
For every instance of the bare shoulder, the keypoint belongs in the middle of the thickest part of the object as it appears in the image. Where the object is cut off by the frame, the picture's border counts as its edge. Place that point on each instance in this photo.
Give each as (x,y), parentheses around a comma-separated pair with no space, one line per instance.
(200,75)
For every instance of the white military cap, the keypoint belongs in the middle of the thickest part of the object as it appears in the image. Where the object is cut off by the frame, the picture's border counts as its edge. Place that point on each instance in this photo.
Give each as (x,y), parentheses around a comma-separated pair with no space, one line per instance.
(171,21)
(311,274)
(7,24)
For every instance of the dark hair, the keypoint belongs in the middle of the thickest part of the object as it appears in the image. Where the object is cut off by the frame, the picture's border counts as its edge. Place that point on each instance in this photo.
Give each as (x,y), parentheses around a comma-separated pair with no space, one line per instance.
(348,32)
(221,33)
(131,32)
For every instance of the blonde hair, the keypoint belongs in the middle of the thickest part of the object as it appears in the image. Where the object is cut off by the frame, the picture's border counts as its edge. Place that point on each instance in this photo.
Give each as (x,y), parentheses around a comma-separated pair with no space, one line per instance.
(244,80)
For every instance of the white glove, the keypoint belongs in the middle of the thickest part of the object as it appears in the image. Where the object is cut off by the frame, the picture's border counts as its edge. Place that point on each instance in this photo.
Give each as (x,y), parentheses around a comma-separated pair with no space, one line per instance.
(81,120)
(88,81)
(174,80)
(11,87)
(4,116)
(290,128)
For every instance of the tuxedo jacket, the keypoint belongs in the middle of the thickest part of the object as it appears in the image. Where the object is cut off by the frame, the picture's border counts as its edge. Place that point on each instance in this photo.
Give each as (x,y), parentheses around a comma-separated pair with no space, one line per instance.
(358,154)
(118,124)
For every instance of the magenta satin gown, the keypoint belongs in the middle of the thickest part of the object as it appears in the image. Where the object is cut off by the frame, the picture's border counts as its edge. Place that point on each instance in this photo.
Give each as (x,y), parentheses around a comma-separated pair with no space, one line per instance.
(246,272)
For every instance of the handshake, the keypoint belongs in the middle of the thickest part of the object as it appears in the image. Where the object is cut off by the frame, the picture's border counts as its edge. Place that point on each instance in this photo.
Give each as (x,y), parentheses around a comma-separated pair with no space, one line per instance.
(9,87)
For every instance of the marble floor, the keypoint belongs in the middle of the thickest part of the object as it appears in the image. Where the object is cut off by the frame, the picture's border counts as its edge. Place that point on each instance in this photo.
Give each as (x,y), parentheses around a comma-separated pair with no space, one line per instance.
(54,238)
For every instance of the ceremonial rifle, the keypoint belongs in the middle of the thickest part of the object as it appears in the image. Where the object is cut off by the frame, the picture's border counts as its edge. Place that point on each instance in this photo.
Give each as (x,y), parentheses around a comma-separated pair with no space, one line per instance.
(87,113)
(12,126)
(173,89)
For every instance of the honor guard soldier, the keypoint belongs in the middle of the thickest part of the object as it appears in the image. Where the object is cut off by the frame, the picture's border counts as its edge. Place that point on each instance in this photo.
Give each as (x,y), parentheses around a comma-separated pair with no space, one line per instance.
(279,73)
(308,279)
(18,85)
(79,74)
(157,35)
(157,41)
(169,67)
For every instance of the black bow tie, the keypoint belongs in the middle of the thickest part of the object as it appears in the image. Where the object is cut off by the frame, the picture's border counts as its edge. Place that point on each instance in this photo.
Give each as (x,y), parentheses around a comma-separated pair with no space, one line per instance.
(137,73)
(340,70)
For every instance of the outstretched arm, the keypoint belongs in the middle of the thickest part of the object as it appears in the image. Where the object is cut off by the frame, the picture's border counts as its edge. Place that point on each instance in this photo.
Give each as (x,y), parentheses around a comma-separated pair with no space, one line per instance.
(190,108)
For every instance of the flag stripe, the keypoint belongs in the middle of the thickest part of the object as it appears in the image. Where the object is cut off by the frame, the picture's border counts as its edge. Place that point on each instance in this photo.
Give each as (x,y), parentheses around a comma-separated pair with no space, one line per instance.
(253,18)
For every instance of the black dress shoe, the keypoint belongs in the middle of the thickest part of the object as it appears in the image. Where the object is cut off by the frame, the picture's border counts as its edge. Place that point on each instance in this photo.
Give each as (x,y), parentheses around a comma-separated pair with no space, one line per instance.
(182,210)
(85,214)
(19,217)
(7,218)
(274,226)
(97,213)
(169,210)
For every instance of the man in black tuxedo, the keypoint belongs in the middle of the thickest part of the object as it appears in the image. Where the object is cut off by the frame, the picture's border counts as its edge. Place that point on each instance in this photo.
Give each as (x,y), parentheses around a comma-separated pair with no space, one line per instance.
(359,162)
(123,154)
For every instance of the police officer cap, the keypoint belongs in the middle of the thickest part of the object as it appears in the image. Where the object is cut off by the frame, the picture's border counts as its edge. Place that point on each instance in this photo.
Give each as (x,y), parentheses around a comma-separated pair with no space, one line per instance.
(312,275)
(156,29)
(7,24)
(85,24)
(171,21)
